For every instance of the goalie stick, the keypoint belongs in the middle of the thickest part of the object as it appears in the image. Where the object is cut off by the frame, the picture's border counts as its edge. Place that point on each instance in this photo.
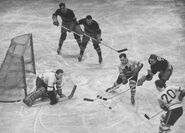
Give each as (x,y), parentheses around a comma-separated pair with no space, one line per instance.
(118,51)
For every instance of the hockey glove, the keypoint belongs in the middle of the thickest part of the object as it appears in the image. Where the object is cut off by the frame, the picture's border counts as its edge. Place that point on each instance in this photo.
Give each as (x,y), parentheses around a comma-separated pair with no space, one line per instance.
(182,94)
(164,107)
(141,80)
(56,23)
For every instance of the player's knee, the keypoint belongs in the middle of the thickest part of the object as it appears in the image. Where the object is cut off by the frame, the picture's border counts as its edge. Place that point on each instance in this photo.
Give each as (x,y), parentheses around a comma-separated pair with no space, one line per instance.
(63,36)
(163,128)
(97,47)
(132,84)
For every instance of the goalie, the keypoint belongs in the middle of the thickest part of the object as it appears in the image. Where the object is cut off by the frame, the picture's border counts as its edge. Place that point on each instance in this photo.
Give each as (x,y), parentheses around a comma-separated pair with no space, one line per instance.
(157,64)
(128,70)
(45,86)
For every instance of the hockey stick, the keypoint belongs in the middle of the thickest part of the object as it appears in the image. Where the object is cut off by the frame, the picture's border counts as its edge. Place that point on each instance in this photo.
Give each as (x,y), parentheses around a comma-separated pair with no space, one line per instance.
(118,51)
(10,101)
(92,100)
(103,98)
(153,116)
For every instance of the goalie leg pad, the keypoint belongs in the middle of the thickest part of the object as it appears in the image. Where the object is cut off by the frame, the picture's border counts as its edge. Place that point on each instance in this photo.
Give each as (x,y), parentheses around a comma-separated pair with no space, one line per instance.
(31,98)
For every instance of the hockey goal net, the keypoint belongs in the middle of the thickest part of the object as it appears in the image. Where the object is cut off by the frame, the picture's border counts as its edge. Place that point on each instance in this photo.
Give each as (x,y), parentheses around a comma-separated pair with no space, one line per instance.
(18,61)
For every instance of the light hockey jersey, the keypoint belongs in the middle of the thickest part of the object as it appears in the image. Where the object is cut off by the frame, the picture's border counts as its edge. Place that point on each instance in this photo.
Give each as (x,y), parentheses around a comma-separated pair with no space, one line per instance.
(50,79)
(169,97)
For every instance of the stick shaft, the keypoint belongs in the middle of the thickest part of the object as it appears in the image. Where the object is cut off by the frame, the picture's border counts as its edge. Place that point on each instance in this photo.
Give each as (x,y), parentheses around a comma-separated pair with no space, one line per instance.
(96,40)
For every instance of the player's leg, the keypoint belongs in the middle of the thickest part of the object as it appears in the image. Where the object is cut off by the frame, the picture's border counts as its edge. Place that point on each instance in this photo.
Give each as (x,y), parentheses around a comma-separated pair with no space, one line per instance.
(98,50)
(31,98)
(77,29)
(132,85)
(85,40)
(62,37)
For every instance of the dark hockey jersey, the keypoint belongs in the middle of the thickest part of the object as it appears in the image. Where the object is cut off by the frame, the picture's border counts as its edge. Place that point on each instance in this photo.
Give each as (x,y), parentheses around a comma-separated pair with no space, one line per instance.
(160,65)
(68,16)
(92,28)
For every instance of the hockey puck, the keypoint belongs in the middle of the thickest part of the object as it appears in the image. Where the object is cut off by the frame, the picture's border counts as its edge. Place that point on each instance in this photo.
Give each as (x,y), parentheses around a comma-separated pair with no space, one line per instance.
(110,107)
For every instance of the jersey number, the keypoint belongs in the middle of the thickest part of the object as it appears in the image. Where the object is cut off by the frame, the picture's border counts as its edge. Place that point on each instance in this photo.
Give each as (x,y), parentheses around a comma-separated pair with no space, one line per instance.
(170,94)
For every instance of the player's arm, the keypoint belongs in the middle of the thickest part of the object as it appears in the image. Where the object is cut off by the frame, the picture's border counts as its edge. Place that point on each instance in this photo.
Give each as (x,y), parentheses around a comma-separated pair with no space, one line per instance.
(54,17)
(147,77)
(59,85)
(163,106)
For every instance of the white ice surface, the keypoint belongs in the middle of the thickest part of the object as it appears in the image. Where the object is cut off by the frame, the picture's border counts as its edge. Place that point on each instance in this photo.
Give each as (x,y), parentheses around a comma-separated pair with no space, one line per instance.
(142,26)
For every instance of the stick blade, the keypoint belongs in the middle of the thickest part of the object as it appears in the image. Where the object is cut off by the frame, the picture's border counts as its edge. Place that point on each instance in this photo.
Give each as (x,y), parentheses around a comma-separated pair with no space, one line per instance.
(122,50)
(88,99)
(147,117)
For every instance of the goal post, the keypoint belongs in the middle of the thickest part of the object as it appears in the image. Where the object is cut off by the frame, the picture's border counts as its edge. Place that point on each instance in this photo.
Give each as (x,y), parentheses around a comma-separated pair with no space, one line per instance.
(18,61)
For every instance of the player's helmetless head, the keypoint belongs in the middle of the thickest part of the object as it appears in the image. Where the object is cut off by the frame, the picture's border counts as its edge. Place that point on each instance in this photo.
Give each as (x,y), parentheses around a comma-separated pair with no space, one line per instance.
(160,84)
(152,59)
(123,58)
(59,73)
(62,7)
(89,19)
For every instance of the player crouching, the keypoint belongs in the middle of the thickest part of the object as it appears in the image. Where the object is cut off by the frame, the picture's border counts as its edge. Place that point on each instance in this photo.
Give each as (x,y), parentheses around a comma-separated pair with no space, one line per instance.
(45,86)
(128,70)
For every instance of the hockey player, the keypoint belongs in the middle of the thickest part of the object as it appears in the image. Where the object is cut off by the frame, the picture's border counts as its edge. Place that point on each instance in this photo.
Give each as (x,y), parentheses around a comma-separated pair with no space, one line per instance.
(91,29)
(170,99)
(128,70)
(46,83)
(69,23)
(157,64)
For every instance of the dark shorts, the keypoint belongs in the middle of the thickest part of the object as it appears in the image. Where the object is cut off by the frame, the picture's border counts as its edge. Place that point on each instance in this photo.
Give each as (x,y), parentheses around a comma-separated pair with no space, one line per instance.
(173,115)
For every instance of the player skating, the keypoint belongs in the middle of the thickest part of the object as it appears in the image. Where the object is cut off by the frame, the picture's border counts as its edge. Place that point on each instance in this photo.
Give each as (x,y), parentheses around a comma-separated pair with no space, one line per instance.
(91,29)
(157,64)
(69,23)
(170,99)
(128,70)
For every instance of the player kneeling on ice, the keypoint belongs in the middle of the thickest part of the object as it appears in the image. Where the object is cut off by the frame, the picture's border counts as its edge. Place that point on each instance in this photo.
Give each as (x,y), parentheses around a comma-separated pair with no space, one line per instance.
(128,70)
(170,99)
(46,84)
(157,64)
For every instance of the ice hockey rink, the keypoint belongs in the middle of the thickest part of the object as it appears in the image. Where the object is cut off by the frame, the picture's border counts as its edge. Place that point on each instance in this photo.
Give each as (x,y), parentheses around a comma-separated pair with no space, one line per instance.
(142,26)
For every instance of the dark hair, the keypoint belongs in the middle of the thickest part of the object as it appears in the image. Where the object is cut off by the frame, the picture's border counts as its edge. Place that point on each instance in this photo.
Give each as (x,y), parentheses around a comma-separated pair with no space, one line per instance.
(160,83)
(122,55)
(88,17)
(59,71)
(153,56)
(62,4)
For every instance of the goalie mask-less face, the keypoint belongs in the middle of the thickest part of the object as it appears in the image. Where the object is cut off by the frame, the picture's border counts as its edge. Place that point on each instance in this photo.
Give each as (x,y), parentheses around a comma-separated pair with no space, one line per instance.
(59,76)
